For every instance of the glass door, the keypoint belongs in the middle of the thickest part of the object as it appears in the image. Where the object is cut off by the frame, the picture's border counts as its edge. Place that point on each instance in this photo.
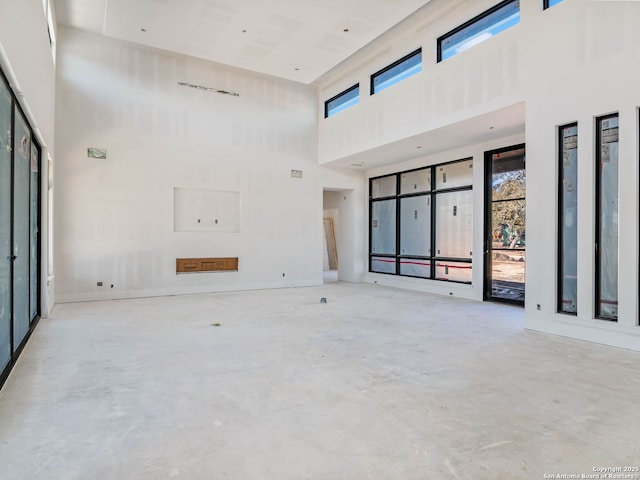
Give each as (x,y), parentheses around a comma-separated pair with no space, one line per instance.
(19,229)
(5,226)
(505,225)
(21,206)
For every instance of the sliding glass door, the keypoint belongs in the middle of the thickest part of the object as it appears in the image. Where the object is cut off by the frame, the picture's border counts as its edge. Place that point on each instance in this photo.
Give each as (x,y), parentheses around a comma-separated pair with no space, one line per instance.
(21,183)
(19,229)
(5,225)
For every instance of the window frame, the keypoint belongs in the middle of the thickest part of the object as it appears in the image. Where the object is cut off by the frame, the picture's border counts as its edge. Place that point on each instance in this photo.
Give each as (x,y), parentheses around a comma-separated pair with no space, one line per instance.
(469,23)
(335,97)
(432,193)
(546,4)
(598,218)
(372,78)
(561,212)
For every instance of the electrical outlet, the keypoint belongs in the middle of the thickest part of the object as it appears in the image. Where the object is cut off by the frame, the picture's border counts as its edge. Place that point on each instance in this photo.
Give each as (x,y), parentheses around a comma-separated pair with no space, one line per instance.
(99,284)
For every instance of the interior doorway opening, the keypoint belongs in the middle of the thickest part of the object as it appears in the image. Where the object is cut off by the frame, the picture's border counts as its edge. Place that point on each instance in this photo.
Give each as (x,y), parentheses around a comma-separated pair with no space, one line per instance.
(330,235)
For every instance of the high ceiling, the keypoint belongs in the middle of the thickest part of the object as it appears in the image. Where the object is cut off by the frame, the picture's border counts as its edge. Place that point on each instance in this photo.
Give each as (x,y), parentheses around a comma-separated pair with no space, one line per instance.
(294,39)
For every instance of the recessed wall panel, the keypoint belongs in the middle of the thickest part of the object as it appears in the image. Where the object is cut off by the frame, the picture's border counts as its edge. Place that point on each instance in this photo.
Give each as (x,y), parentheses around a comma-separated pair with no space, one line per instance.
(197,210)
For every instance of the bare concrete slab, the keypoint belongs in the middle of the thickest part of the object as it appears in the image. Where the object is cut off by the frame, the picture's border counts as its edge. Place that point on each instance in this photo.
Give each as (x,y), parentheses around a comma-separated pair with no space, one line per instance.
(377,383)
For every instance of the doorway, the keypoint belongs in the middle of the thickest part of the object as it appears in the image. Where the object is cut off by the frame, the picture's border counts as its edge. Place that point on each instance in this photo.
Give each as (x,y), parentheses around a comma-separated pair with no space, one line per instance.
(331,202)
(505,225)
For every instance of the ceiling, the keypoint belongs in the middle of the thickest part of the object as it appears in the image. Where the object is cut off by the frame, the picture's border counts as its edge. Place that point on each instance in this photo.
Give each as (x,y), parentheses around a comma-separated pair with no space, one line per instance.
(298,40)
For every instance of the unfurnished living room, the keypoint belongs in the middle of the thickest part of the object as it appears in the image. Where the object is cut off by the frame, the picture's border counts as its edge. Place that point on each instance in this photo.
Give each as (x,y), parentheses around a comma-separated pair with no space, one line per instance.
(365,239)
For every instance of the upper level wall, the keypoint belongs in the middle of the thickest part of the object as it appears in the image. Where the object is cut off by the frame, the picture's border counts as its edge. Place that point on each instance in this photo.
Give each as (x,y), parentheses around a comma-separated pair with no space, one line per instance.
(548,48)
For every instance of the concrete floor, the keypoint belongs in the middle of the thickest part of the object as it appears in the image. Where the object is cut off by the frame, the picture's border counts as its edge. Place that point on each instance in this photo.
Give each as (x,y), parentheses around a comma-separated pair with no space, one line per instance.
(378,384)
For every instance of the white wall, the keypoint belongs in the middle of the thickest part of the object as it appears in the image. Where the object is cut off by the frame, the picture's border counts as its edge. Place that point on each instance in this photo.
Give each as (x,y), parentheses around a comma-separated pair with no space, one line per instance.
(26,60)
(572,62)
(115,216)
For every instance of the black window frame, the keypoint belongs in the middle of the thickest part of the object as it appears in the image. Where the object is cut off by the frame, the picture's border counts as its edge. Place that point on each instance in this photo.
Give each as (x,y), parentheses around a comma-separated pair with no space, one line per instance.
(487,294)
(545,4)
(16,350)
(598,217)
(433,194)
(335,97)
(391,66)
(468,23)
(561,211)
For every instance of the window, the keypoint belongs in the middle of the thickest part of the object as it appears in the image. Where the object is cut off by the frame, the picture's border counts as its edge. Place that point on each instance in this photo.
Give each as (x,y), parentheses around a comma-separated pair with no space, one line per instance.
(477,30)
(342,101)
(607,217)
(568,219)
(550,3)
(397,71)
(421,222)
(383,224)
(505,239)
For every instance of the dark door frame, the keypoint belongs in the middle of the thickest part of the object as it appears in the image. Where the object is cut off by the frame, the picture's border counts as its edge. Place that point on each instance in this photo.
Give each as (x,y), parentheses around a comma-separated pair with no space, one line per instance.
(488,225)
(16,350)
